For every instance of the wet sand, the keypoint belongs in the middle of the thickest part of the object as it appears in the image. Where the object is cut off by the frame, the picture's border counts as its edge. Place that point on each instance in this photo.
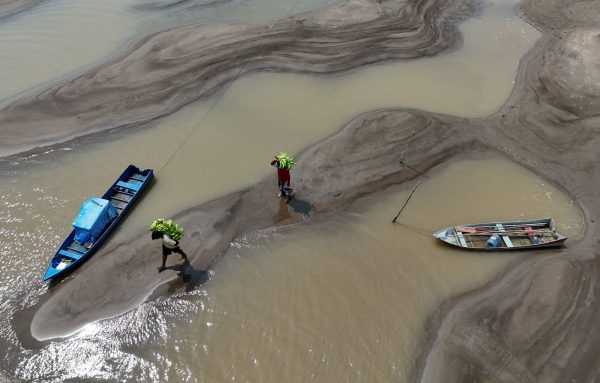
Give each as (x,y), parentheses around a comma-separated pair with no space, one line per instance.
(536,322)
(351,172)
(12,7)
(158,4)
(168,70)
(533,323)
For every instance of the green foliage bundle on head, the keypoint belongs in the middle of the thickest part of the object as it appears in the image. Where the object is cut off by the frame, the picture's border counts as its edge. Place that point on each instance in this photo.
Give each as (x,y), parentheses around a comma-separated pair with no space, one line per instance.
(168,227)
(285,160)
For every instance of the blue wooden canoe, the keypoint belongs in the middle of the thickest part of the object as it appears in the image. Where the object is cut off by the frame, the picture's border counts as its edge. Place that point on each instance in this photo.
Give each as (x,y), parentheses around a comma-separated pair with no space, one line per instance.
(122,194)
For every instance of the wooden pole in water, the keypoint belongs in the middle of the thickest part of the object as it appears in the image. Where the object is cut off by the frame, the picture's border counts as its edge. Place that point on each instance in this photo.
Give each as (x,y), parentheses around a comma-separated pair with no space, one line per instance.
(405,203)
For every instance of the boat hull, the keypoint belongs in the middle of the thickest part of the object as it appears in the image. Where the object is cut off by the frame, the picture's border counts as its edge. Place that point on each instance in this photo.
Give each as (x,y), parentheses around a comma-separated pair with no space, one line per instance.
(123,193)
(507,235)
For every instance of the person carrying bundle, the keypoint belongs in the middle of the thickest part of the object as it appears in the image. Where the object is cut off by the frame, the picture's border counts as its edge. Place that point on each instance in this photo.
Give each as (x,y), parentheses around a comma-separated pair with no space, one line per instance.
(170,233)
(283,162)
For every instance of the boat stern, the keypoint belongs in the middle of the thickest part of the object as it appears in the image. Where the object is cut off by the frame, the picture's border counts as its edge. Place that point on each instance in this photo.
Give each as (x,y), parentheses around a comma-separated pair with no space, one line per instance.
(57,266)
(446,235)
(50,273)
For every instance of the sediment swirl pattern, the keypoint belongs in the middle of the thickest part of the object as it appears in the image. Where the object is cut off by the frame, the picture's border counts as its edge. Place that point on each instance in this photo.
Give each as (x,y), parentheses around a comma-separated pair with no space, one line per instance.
(168,70)
(12,7)
(534,323)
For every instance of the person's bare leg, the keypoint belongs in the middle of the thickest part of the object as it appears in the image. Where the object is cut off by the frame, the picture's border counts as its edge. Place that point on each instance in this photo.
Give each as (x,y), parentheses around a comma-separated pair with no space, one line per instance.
(183,255)
(164,263)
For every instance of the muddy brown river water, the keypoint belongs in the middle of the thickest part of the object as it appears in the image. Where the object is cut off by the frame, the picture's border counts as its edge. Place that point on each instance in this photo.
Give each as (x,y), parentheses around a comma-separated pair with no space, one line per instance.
(304,303)
(343,298)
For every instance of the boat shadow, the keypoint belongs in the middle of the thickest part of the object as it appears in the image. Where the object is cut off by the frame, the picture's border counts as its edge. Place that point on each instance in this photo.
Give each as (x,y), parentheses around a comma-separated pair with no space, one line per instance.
(52,283)
(56,280)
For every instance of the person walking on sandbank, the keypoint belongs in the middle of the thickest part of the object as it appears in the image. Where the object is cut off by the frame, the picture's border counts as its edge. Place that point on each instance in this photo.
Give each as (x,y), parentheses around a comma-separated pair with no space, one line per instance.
(283,162)
(170,233)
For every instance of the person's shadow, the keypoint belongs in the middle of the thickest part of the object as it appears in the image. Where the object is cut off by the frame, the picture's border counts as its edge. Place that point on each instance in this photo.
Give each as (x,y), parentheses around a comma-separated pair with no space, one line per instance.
(300,206)
(191,277)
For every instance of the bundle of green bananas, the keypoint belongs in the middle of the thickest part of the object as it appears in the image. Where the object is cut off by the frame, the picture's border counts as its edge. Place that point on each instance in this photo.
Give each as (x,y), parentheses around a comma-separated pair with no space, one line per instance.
(285,160)
(168,227)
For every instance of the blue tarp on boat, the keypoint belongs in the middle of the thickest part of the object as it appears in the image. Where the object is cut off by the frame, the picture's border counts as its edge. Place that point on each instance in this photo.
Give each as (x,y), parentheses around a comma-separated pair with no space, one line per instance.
(94,214)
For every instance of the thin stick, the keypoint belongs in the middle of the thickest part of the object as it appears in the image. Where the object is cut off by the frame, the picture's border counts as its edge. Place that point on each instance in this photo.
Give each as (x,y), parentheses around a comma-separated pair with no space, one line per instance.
(405,203)
(406,147)
(403,156)
(414,170)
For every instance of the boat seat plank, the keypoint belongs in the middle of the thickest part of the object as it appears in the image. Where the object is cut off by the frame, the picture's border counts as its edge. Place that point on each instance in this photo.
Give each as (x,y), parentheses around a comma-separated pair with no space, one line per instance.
(461,239)
(120,190)
(138,177)
(70,254)
(125,193)
(134,186)
(118,203)
(133,180)
(127,197)
(113,198)
(505,238)
(77,249)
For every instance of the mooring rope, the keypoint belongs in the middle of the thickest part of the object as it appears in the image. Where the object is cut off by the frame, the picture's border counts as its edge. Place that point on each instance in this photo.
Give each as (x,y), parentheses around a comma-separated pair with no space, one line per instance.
(216,101)
(193,130)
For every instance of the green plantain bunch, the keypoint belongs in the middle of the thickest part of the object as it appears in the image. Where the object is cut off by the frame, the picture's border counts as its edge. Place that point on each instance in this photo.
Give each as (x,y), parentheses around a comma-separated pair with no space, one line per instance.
(285,160)
(168,227)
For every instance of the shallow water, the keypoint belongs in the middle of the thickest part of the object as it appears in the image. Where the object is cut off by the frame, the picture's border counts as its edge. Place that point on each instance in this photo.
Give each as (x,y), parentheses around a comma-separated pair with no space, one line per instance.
(223,145)
(244,322)
(305,302)
(340,300)
(59,37)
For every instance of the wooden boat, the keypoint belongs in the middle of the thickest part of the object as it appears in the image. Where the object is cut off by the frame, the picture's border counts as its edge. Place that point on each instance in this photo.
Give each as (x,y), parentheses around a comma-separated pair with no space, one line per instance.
(512,235)
(121,194)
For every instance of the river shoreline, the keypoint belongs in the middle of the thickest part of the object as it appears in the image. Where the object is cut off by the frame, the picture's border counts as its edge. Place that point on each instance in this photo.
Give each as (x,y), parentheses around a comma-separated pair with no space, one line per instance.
(548,126)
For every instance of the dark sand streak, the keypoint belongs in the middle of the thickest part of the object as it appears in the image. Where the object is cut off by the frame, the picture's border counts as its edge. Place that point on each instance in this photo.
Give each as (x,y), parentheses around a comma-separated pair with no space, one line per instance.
(13,7)
(168,70)
(151,5)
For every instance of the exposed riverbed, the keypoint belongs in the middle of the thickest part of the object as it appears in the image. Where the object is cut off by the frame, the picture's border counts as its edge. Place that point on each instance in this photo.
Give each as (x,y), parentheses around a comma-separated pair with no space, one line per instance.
(292,294)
